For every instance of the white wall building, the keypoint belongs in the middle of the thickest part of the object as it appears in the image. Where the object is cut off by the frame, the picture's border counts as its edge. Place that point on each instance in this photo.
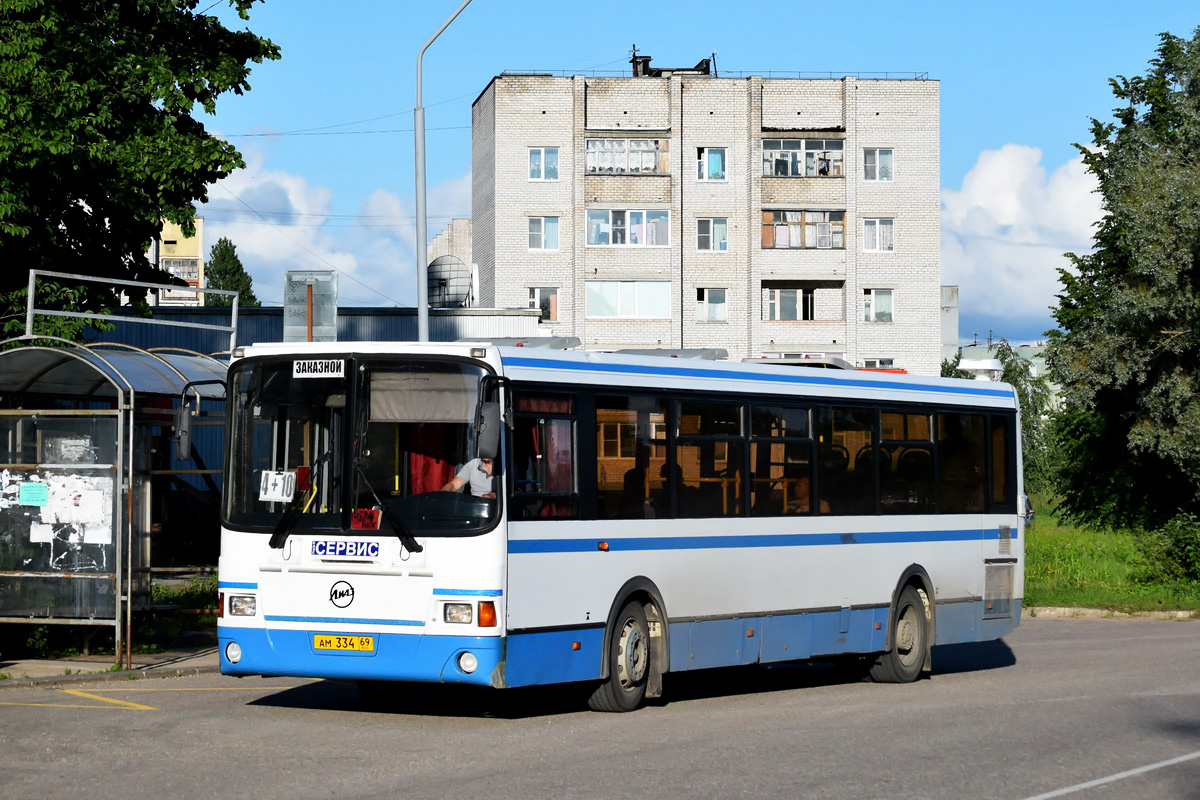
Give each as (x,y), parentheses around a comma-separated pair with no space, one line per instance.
(767,216)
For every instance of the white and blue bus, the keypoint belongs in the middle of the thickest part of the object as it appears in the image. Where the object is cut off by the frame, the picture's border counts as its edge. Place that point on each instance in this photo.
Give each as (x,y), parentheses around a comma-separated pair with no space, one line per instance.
(648,515)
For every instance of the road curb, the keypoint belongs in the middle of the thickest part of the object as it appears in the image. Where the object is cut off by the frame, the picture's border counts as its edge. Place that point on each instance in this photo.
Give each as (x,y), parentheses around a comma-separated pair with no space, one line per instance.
(122,676)
(1062,612)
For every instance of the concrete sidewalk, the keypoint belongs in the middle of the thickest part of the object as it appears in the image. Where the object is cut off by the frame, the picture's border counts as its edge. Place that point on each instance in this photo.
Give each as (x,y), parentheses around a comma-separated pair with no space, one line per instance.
(193,655)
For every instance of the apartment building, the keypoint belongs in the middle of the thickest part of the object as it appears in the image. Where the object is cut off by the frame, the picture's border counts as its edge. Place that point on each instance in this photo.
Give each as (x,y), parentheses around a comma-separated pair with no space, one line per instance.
(677,209)
(183,257)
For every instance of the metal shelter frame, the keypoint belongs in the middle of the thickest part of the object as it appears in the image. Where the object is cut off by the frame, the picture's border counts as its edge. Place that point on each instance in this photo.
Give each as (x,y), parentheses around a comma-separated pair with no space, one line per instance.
(83,385)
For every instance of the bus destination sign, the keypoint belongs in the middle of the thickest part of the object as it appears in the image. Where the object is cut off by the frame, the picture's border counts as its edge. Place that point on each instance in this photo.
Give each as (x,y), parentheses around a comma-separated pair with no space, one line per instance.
(319,368)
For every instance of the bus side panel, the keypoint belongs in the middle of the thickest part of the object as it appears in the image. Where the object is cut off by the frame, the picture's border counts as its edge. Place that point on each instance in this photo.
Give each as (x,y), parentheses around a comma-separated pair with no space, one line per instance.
(995,628)
(553,656)
(787,637)
(710,643)
(958,622)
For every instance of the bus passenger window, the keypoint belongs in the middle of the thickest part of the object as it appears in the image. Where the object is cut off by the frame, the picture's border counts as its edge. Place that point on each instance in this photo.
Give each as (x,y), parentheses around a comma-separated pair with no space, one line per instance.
(846,460)
(543,466)
(1004,468)
(962,463)
(708,459)
(780,461)
(630,458)
(906,463)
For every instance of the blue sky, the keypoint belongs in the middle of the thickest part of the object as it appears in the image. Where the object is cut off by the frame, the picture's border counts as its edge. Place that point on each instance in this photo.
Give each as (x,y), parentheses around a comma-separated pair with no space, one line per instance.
(327,130)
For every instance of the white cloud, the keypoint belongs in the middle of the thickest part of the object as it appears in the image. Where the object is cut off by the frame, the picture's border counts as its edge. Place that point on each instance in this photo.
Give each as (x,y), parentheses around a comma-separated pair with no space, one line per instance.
(1005,232)
(294,228)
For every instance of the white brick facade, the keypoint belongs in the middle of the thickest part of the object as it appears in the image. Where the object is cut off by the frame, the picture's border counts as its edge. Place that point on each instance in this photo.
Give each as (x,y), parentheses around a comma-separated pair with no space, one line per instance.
(690,112)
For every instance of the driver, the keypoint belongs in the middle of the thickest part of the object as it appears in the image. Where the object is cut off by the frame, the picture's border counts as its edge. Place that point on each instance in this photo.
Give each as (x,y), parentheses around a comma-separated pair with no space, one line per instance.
(478,473)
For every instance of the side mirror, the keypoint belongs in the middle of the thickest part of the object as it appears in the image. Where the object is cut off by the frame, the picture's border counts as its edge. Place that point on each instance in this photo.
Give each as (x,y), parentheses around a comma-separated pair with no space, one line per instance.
(183,432)
(487,430)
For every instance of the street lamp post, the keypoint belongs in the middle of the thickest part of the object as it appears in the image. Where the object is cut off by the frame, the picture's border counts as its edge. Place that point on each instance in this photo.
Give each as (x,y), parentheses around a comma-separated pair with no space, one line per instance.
(422,233)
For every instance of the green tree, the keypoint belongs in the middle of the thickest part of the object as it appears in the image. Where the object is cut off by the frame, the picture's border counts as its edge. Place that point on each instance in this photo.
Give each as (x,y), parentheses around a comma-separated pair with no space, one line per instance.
(224,270)
(1034,399)
(951,369)
(98,142)
(1128,351)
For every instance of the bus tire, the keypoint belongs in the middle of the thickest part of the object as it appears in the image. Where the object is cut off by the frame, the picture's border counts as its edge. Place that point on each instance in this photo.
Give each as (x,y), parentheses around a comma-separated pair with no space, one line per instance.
(910,640)
(628,663)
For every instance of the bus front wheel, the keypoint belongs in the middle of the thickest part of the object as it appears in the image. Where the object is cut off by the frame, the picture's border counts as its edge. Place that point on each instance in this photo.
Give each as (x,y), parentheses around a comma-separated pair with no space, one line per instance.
(628,663)
(910,640)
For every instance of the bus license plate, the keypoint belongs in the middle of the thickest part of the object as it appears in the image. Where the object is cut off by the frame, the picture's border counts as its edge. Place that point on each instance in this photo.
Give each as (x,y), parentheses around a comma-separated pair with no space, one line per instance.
(328,641)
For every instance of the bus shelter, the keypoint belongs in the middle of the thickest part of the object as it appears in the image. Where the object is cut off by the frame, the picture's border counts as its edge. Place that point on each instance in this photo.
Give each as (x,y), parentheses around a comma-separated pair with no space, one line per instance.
(89,479)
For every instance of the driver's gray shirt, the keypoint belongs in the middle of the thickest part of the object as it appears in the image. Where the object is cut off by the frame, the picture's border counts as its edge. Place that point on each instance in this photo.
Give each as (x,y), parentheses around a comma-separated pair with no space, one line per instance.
(479,481)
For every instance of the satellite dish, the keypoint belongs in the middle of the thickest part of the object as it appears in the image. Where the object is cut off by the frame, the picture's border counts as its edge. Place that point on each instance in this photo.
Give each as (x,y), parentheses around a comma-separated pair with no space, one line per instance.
(449,282)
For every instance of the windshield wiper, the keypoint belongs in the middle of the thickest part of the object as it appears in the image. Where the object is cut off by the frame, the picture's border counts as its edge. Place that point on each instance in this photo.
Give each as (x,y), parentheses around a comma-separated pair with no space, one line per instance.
(402,533)
(283,528)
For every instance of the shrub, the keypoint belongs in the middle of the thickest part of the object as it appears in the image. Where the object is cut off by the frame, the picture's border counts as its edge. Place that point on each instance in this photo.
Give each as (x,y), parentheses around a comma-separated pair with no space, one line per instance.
(1172,552)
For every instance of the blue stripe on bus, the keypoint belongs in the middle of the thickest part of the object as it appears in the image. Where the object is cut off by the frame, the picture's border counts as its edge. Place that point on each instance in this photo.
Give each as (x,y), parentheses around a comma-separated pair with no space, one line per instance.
(346,620)
(699,372)
(235,585)
(471,592)
(750,540)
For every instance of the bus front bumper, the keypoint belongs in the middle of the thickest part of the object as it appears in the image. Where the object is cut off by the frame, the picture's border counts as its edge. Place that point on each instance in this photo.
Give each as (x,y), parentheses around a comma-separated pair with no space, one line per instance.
(395,656)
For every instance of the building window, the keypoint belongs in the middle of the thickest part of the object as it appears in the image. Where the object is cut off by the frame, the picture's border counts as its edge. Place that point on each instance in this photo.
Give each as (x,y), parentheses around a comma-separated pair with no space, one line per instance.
(628,156)
(805,229)
(629,299)
(543,163)
(186,268)
(793,304)
(877,236)
(802,158)
(879,363)
(877,164)
(545,298)
(628,228)
(710,163)
(877,305)
(543,233)
(712,234)
(710,305)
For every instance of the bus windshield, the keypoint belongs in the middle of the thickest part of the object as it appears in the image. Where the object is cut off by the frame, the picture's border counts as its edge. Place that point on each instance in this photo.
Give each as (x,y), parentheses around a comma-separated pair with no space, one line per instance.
(342,444)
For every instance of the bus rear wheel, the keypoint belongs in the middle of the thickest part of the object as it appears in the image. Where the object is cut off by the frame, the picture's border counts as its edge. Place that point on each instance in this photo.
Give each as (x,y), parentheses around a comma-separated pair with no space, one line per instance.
(910,640)
(628,663)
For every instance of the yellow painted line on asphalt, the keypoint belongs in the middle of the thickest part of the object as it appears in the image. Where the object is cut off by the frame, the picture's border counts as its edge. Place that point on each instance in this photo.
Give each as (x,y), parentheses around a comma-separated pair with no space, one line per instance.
(72,705)
(201,689)
(124,703)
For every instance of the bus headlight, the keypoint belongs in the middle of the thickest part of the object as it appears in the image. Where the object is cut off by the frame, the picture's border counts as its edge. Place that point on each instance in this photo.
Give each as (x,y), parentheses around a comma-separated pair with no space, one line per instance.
(468,663)
(457,612)
(233,652)
(241,605)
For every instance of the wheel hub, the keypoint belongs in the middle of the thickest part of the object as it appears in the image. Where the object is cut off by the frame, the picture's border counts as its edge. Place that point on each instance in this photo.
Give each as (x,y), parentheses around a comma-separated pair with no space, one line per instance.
(632,661)
(906,635)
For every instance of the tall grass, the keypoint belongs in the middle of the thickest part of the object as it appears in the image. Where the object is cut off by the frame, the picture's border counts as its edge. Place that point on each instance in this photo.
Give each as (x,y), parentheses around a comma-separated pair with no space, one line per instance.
(1067,565)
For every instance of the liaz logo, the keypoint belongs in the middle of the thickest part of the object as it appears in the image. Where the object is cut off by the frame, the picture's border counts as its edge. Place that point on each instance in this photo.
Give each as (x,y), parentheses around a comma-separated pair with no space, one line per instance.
(341,594)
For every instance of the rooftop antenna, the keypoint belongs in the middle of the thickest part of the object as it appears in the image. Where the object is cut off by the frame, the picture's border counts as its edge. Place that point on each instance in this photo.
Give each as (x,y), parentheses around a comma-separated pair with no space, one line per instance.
(714,65)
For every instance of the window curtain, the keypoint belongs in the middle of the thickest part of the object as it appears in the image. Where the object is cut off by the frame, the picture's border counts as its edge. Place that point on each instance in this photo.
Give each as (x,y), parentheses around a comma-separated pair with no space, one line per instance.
(716,164)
